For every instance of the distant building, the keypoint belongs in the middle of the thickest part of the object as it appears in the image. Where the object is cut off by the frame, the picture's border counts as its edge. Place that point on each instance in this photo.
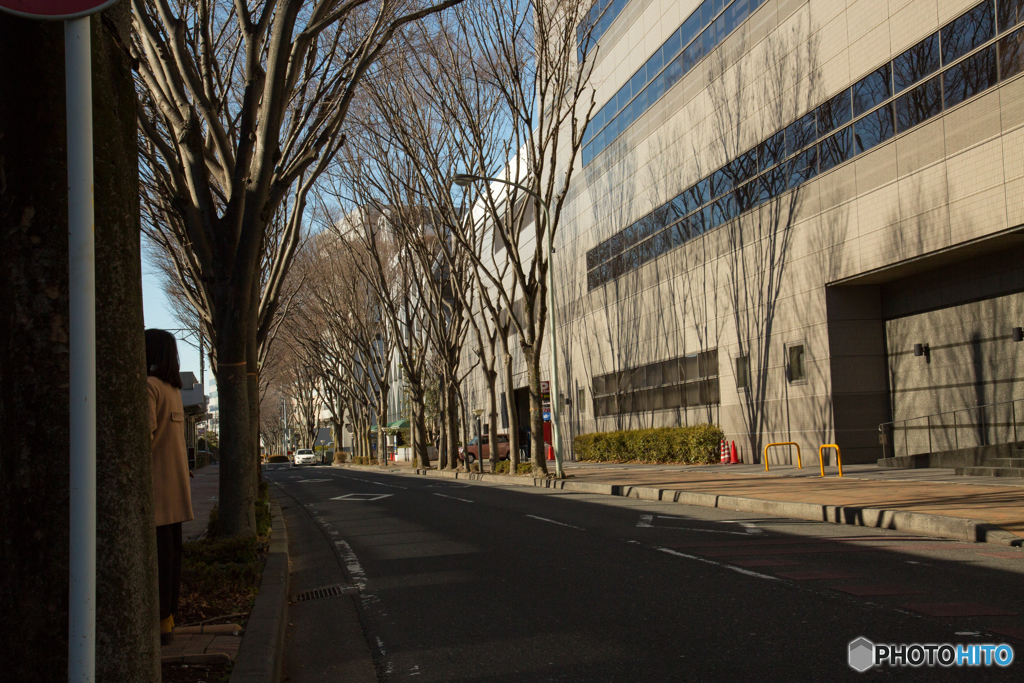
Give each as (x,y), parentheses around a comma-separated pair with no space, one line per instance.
(194,401)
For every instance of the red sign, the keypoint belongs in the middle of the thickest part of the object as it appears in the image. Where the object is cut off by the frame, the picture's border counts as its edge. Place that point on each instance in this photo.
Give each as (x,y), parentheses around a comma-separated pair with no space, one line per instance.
(54,9)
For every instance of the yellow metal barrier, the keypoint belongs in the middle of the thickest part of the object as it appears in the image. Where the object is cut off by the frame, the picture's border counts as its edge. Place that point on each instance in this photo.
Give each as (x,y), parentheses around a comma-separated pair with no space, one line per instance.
(783,443)
(821,461)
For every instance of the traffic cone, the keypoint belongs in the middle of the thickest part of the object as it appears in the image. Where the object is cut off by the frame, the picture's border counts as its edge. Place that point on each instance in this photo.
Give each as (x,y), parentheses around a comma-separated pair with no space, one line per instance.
(724,453)
(734,460)
(551,453)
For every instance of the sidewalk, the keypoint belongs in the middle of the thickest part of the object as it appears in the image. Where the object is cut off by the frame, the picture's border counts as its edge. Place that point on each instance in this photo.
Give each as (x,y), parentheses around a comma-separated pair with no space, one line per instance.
(205,487)
(928,491)
(938,502)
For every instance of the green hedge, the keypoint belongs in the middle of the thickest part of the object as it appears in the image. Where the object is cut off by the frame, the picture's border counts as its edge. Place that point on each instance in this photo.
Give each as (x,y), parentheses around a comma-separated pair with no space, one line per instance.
(524,468)
(685,445)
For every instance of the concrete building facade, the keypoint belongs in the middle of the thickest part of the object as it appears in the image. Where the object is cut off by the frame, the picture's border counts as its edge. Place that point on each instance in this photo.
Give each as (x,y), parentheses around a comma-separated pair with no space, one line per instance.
(800,219)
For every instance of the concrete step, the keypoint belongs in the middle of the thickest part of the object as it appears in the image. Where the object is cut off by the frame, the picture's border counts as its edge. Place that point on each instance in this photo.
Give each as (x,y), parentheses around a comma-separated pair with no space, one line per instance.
(1002,462)
(990,471)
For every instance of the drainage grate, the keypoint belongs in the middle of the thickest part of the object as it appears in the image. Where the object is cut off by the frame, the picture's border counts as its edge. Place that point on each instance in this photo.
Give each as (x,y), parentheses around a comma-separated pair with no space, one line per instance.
(328,592)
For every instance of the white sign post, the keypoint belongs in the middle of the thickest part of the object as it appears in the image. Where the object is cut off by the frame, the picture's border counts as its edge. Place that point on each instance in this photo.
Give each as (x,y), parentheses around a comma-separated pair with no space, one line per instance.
(81,321)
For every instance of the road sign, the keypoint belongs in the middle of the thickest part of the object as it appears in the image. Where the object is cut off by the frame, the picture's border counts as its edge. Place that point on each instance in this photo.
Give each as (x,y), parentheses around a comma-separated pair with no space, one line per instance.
(545,386)
(54,9)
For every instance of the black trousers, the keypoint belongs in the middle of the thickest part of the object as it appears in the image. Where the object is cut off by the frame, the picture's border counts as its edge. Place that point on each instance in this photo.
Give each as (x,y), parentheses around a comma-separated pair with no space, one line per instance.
(168,560)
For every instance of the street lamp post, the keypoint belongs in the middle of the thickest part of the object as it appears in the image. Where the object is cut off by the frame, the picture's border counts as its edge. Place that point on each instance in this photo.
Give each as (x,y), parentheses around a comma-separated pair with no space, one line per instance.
(466,179)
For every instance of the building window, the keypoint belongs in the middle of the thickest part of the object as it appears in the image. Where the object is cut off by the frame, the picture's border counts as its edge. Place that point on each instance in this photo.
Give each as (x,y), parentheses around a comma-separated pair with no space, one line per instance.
(743,372)
(682,382)
(581,400)
(797,366)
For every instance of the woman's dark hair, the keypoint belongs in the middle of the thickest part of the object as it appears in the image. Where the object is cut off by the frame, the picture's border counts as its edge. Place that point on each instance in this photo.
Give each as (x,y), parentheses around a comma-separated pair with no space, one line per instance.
(162,357)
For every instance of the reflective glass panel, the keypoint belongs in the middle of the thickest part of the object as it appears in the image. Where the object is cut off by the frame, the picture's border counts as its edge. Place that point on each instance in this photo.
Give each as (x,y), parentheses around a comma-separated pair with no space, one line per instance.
(918,105)
(800,133)
(723,211)
(1011,12)
(771,151)
(1011,54)
(835,149)
(874,128)
(803,167)
(699,194)
(834,113)
(969,77)
(916,63)
(968,31)
(872,90)
(720,183)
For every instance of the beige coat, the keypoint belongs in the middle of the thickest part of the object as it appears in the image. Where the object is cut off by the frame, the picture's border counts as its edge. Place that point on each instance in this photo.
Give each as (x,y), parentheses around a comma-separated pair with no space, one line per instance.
(172,495)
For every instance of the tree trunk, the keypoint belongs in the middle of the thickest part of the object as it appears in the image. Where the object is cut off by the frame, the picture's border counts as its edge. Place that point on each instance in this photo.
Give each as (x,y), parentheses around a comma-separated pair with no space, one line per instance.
(252,355)
(442,431)
(513,414)
(127,613)
(451,416)
(236,502)
(538,456)
(465,432)
(492,418)
(421,456)
(34,401)
(382,423)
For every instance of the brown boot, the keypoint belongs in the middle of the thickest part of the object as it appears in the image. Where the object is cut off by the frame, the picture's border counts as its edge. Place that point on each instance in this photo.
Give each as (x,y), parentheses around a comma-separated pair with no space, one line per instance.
(167,630)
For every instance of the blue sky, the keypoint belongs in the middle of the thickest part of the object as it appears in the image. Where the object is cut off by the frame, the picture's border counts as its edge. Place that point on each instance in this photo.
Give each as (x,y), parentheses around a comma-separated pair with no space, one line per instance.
(158,313)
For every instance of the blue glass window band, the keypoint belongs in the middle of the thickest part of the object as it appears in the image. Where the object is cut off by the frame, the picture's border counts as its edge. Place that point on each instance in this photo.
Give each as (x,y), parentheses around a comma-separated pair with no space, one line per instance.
(797,153)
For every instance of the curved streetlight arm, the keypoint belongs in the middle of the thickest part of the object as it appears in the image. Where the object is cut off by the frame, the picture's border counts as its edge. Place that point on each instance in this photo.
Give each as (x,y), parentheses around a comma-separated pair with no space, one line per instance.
(465,180)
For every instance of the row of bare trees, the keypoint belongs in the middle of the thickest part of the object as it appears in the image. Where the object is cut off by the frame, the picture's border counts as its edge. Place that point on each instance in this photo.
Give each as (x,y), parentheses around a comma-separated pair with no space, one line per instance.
(264,122)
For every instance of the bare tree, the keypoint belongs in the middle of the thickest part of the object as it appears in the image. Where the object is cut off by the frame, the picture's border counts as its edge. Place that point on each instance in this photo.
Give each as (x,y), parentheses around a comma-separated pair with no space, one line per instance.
(242,107)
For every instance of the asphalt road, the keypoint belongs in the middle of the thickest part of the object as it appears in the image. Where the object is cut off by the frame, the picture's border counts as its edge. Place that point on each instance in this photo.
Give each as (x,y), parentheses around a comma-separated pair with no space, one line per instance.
(477,582)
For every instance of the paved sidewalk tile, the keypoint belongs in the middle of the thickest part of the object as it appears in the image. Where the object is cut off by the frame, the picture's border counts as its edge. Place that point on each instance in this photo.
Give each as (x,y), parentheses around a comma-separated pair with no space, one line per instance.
(205,488)
(1001,505)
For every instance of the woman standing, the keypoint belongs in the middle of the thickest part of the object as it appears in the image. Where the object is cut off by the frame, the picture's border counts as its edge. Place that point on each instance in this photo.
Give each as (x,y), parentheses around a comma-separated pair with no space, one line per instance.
(172,495)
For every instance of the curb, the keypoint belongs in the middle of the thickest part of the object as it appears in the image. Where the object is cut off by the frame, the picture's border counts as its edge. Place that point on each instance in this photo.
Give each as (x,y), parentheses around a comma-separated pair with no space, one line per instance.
(941,526)
(261,653)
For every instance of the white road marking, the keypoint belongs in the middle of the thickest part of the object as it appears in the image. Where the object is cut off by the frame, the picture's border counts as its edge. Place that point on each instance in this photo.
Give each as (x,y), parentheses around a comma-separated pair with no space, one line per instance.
(312,481)
(371,481)
(746,572)
(364,497)
(545,519)
(647,521)
(464,500)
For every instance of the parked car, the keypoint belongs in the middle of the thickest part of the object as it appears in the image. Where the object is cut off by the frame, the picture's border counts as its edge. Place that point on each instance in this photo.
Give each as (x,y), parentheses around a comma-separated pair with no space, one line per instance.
(474,447)
(305,456)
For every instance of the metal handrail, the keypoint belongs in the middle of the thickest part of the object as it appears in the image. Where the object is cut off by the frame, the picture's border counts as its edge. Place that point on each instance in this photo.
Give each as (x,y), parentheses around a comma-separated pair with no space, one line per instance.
(950,412)
(954,426)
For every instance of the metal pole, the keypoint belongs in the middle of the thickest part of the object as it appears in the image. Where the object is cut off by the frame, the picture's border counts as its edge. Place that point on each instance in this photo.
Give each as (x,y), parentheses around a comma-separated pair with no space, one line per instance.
(82,352)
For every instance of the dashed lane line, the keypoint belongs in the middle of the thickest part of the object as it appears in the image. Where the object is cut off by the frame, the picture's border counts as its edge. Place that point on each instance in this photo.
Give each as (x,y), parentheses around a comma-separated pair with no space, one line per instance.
(745,572)
(545,519)
(464,500)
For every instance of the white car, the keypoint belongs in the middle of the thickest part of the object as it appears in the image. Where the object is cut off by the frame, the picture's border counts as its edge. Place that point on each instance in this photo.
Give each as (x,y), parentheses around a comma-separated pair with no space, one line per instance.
(305,456)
